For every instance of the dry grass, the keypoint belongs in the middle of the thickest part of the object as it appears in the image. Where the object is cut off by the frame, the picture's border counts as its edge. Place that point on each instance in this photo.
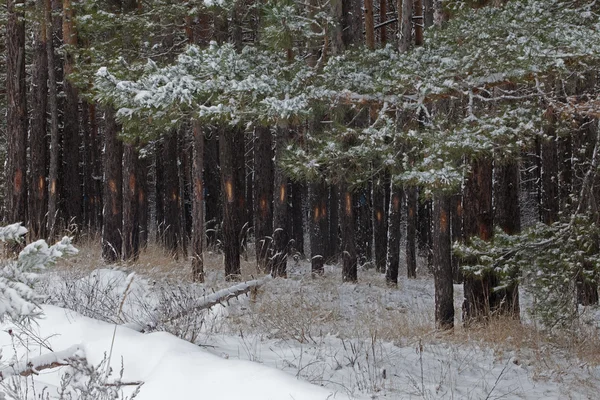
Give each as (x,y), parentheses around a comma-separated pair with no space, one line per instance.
(305,308)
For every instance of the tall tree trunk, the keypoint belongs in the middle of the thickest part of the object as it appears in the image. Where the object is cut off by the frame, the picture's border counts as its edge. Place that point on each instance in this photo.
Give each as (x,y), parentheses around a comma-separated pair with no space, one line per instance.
(456,218)
(38,166)
(198,205)
(419,22)
(405,13)
(369,25)
(16,115)
(131,228)
(113,191)
(442,265)
(159,189)
(478,222)
(281,221)
(411,231)
(334,222)
(352,22)
(231,192)
(214,211)
(72,183)
(380,224)
(298,195)
(382,19)
(54,135)
(428,13)
(318,226)
(143,203)
(394,234)
(508,218)
(171,226)
(363,224)
(263,195)
(424,225)
(347,221)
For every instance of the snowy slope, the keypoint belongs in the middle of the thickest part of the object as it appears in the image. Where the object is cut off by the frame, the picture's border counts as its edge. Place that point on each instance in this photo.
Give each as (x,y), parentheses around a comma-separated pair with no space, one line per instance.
(169,367)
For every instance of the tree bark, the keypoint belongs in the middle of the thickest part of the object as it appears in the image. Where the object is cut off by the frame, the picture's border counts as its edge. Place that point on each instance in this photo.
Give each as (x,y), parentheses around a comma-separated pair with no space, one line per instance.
(382,19)
(54,135)
(281,221)
(171,225)
(198,205)
(442,265)
(38,166)
(16,115)
(113,191)
(478,221)
(347,221)
(131,228)
(214,211)
(405,11)
(231,192)
(263,195)
(369,25)
(508,218)
(298,194)
(418,22)
(411,231)
(318,226)
(72,182)
(380,225)
(333,244)
(394,235)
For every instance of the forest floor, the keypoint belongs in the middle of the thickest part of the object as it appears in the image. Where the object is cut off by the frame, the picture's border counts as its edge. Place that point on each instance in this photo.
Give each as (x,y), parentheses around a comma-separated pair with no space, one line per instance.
(363,341)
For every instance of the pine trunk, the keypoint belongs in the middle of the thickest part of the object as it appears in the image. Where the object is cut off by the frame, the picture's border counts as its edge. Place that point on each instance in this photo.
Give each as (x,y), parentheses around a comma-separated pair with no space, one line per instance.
(333,246)
(198,205)
(112,218)
(263,195)
(418,22)
(318,226)
(212,178)
(38,165)
(16,115)
(508,218)
(380,225)
(442,265)
(71,179)
(171,225)
(411,232)
(394,235)
(348,247)
(369,25)
(231,192)
(54,135)
(405,13)
(131,228)
(298,217)
(478,222)
(281,222)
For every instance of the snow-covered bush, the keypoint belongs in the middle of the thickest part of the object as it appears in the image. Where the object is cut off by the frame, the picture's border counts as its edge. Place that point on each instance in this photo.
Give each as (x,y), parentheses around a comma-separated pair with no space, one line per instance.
(18,300)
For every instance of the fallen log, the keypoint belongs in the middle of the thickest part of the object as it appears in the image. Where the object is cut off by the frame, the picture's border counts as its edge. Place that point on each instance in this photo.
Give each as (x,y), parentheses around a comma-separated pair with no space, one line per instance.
(221,296)
(45,361)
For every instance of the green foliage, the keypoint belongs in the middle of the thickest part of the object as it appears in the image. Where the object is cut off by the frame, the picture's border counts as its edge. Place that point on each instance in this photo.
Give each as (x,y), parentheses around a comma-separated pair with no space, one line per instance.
(550,259)
(493,65)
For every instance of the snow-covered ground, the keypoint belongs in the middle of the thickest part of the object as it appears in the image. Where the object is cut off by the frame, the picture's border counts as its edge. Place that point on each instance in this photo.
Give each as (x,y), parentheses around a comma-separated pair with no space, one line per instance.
(300,338)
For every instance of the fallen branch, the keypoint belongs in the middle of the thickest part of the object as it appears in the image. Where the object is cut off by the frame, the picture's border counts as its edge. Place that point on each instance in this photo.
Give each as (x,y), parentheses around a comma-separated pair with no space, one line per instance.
(221,296)
(45,361)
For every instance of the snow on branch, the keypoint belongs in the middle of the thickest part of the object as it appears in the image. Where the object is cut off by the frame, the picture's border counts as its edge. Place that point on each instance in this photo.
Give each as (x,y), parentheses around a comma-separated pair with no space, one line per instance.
(222,296)
(45,361)
(12,232)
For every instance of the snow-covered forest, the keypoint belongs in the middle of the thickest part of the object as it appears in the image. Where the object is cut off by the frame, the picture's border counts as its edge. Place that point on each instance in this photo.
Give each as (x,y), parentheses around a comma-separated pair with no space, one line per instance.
(284,199)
